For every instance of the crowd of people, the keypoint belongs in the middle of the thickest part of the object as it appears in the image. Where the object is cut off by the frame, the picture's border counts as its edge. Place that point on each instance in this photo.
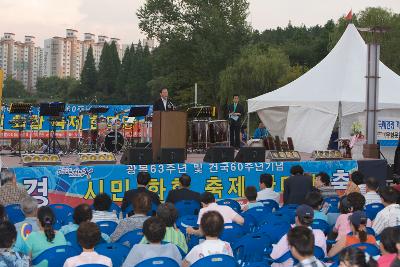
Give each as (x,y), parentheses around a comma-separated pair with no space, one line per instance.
(24,241)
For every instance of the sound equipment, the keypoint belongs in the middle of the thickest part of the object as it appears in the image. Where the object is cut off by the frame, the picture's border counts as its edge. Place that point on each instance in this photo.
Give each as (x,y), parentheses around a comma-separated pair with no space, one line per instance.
(251,154)
(326,154)
(290,143)
(270,143)
(284,156)
(97,158)
(40,159)
(277,142)
(172,155)
(137,156)
(219,154)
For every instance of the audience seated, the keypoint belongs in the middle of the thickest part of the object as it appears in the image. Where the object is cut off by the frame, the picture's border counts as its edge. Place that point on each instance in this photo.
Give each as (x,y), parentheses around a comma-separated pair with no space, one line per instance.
(143,179)
(101,204)
(390,215)
(10,191)
(371,196)
(183,192)
(314,200)
(323,184)
(154,230)
(297,186)
(387,245)
(356,183)
(301,243)
(169,214)
(29,207)
(348,204)
(46,237)
(304,217)
(358,223)
(9,257)
(355,257)
(141,205)
(88,237)
(212,225)
(209,204)
(251,195)
(266,189)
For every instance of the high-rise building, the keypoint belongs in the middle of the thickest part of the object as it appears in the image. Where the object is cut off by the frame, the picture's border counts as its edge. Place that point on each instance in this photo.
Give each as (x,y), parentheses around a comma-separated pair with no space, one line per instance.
(21,60)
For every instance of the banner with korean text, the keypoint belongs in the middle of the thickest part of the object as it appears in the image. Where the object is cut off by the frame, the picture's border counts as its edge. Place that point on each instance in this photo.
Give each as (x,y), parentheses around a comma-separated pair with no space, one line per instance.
(388,131)
(77,184)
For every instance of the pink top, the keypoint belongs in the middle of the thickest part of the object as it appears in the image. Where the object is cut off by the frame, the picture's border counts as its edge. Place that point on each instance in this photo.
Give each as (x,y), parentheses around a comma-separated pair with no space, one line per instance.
(227,212)
(88,258)
(342,225)
(386,260)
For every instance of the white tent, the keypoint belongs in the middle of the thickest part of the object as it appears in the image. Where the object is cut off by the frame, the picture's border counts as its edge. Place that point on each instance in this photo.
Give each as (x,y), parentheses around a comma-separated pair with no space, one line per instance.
(307,108)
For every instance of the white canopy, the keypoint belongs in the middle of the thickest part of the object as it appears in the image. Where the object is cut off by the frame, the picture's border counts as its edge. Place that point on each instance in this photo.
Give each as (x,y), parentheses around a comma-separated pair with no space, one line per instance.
(307,108)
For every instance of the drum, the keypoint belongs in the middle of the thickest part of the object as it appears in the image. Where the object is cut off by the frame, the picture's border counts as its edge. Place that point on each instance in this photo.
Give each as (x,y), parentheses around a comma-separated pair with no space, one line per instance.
(219,131)
(110,139)
(199,133)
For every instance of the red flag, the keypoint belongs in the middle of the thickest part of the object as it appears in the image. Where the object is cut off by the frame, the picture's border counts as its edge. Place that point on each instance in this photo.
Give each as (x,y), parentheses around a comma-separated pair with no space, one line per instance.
(349,16)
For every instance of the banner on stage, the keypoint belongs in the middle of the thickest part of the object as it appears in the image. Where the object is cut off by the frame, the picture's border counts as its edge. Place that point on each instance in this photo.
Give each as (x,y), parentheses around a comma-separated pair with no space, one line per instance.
(76,184)
(38,126)
(388,131)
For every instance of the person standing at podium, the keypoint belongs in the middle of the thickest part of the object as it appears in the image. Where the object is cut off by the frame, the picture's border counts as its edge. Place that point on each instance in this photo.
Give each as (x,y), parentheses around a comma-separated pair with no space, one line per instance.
(163,103)
(235,111)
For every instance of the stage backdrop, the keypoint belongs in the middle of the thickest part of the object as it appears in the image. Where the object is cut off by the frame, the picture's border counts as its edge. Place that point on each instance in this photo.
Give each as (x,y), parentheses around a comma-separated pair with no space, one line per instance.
(77,184)
(38,126)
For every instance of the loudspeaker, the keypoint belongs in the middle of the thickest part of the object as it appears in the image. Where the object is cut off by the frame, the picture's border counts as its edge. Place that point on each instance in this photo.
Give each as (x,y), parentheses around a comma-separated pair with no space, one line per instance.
(219,154)
(172,155)
(137,156)
(290,143)
(251,154)
(277,141)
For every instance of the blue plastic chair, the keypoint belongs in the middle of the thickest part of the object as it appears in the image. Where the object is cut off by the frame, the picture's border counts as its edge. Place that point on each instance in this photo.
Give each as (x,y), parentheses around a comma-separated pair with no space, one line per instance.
(231,203)
(257,264)
(92,265)
(250,223)
(333,204)
(131,238)
(115,251)
(129,209)
(72,240)
(290,210)
(63,213)
(232,232)
(318,253)
(321,225)
(158,262)
(275,230)
(185,221)
(259,213)
(269,203)
(217,260)
(277,216)
(251,248)
(56,256)
(14,213)
(372,209)
(107,227)
(187,207)
(372,250)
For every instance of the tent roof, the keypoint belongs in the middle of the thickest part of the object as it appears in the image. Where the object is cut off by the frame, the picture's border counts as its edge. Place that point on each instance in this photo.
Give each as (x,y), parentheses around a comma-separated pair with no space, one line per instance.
(339,77)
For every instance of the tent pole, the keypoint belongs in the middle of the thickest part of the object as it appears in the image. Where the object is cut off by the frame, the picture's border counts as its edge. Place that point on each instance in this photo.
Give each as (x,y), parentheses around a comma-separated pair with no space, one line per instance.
(248,125)
(340,120)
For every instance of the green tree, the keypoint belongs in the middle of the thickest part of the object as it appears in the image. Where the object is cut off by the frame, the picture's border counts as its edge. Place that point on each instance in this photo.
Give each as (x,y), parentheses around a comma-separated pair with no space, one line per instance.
(14,88)
(123,75)
(109,67)
(88,76)
(55,88)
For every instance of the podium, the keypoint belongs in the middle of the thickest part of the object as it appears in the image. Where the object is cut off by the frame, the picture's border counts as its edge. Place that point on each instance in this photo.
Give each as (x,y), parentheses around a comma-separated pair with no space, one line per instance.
(169,131)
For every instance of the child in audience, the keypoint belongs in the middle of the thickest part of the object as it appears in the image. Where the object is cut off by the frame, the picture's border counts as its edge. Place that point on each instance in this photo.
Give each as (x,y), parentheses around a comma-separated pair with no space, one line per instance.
(9,257)
(301,243)
(314,200)
(348,204)
(387,246)
(355,257)
(46,237)
(211,224)
(154,230)
(356,183)
(251,195)
(372,196)
(358,223)
(88,237)
(101,204)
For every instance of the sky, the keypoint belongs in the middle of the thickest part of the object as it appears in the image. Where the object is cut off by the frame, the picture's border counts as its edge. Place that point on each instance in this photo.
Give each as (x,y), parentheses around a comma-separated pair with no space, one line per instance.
(117,18)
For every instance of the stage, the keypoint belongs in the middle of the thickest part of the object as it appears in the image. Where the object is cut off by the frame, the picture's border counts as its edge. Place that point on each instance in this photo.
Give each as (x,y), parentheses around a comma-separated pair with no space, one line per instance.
(73,184)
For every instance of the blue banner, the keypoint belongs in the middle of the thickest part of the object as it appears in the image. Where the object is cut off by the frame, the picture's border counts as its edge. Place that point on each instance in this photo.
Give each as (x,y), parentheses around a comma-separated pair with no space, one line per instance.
(75,184)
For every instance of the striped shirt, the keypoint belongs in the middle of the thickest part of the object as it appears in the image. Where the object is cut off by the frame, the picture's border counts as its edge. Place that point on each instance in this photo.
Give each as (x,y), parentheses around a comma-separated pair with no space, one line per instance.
(310,262)
(372,197)
(174,236)
(129,224)
(388,217)
(101,216)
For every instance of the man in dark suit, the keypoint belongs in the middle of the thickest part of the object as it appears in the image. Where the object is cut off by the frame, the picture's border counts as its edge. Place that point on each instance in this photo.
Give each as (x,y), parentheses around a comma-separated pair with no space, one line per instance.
(235,113)
(163,103)
(297,186)
(183,192)
(143,180)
